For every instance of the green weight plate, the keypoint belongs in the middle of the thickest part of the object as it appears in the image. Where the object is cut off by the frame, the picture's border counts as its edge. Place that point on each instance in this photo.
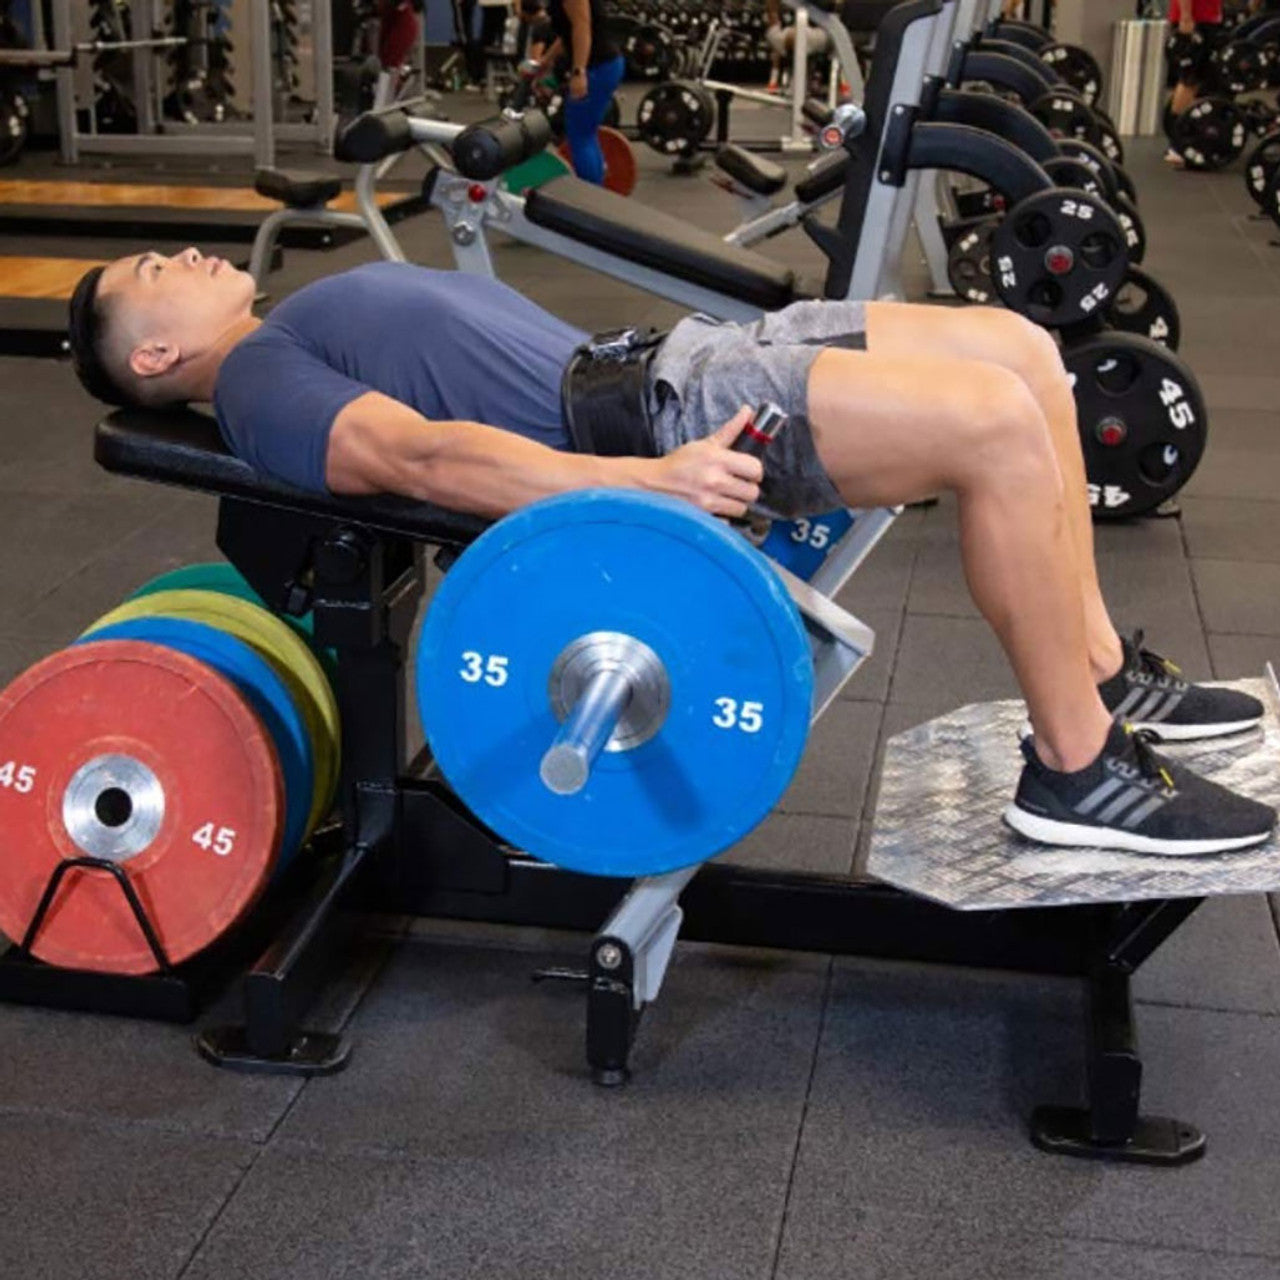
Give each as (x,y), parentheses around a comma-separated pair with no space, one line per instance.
(534,172)
(217,575)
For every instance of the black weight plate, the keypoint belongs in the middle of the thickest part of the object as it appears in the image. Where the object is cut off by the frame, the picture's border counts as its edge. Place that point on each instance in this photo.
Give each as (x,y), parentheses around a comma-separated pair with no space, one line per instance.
(1271,197)
(1066,115)
(674,118)
(1210,134)
(1240,67)
(1135,234)
(978,204)
(1143,398)
(1108,137)
(1182,52)
(1026,34)
(1260,164)
(1078,149)
(1068,171)
(1143,305)
(1077,67)
(553,109)
(1125,184)
(1058,258)
(13,125)
(969,263)
(650,51)
(1260,116)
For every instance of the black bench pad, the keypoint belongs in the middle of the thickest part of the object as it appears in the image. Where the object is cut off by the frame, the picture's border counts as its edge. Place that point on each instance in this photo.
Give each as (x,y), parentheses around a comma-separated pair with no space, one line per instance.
(297,188)
(184,447)
(644,235)
(825,175)
(754,172)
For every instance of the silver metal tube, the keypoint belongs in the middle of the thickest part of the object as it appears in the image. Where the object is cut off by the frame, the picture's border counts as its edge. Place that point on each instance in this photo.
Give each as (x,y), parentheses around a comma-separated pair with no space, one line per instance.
(264,155)
(322,64)
(371,215)
(797,139)
(65,79)
(567,764)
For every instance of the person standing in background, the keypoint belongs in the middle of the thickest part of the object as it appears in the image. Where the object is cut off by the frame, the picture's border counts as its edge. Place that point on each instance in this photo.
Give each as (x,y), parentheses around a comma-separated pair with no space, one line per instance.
(583,38)
(493,21)
(1192,18)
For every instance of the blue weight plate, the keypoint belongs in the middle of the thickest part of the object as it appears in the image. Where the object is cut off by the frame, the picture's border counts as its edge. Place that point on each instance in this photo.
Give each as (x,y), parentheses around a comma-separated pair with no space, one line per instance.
(657,569)
(803,545)
(260,685)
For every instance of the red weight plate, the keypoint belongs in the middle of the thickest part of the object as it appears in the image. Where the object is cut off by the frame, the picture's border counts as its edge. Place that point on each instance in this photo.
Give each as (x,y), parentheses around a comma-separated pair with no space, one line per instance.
(158,763)
(620,169)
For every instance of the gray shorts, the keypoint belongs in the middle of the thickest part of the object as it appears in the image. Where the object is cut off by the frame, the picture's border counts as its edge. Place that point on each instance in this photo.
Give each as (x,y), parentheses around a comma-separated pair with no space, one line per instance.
(707,369)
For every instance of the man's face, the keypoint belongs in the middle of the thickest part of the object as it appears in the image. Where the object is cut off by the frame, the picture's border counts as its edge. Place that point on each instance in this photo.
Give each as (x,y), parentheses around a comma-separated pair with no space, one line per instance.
(185,300)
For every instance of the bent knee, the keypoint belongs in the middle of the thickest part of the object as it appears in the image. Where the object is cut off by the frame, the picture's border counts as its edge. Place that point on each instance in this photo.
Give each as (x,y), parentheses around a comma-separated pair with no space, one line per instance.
(1001,428)
(1023,347)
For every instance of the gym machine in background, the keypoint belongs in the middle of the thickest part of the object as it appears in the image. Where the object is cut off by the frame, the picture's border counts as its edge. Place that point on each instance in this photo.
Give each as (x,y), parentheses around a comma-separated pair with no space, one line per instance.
(152,130)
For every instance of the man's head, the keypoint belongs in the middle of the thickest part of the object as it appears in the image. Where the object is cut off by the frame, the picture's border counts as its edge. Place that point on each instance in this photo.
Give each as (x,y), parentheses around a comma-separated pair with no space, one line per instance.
(140,325)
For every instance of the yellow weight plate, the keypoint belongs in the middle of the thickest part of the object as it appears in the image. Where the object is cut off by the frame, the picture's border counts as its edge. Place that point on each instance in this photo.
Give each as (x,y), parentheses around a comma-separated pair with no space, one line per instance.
(281,646)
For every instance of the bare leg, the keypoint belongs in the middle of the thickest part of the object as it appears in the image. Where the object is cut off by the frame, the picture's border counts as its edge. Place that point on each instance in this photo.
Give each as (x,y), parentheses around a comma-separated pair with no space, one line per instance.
(1000,337)
(1184,97)
(894,428)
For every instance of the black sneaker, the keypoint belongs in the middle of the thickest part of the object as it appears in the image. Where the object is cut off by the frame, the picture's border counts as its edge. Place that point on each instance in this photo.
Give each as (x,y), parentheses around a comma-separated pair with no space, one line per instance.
(1130,798)
(1150,693)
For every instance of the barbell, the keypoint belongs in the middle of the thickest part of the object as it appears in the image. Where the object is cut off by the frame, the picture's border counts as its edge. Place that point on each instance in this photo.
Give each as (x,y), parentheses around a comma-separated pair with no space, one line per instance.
(615,682)
(37,58)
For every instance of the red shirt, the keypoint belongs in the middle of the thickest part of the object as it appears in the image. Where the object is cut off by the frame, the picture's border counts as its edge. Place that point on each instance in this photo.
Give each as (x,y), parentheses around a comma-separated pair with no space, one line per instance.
(1201,11)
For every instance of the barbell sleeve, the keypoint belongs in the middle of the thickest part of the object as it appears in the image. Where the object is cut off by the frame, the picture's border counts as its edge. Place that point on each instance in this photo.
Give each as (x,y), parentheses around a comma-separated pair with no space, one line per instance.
(566,766)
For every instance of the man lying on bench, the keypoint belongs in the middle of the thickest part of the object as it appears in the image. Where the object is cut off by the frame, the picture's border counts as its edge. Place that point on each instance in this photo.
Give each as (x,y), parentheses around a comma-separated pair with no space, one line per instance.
(447,387)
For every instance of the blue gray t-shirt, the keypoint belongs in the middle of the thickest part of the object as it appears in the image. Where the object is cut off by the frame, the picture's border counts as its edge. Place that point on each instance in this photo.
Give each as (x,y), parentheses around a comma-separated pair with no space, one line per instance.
(450,345)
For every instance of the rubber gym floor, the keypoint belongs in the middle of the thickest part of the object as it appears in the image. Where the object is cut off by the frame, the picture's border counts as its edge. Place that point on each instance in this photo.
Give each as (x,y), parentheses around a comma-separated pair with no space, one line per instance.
(791,1116)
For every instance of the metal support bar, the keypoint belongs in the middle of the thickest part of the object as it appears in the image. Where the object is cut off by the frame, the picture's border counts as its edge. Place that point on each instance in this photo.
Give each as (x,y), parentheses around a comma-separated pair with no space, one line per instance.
(262,92)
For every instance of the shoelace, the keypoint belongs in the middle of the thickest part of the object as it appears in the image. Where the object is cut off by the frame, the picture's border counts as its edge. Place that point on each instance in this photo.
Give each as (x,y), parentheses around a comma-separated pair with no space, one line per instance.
(1149,764)
(1161,670)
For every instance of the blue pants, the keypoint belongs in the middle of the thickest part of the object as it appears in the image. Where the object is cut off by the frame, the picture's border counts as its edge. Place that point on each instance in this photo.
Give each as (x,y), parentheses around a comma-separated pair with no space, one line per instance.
(583,117)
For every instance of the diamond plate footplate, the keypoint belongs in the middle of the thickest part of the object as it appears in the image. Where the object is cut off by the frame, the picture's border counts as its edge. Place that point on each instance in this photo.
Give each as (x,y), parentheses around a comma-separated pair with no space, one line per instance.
(938,829)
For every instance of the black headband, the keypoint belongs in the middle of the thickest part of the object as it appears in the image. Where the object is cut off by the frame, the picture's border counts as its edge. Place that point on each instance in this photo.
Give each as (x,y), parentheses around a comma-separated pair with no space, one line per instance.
(84,333)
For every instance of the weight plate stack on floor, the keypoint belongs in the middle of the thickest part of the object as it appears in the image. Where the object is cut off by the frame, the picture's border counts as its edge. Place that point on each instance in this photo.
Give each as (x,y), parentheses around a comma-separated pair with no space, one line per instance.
(144,757)
(265,692)
(215,575)
(278,644)
(218,575)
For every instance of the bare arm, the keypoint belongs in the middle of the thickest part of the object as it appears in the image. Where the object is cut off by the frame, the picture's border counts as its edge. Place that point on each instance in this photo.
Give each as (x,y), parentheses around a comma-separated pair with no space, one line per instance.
(547,58)
(579,12)
(378,445)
